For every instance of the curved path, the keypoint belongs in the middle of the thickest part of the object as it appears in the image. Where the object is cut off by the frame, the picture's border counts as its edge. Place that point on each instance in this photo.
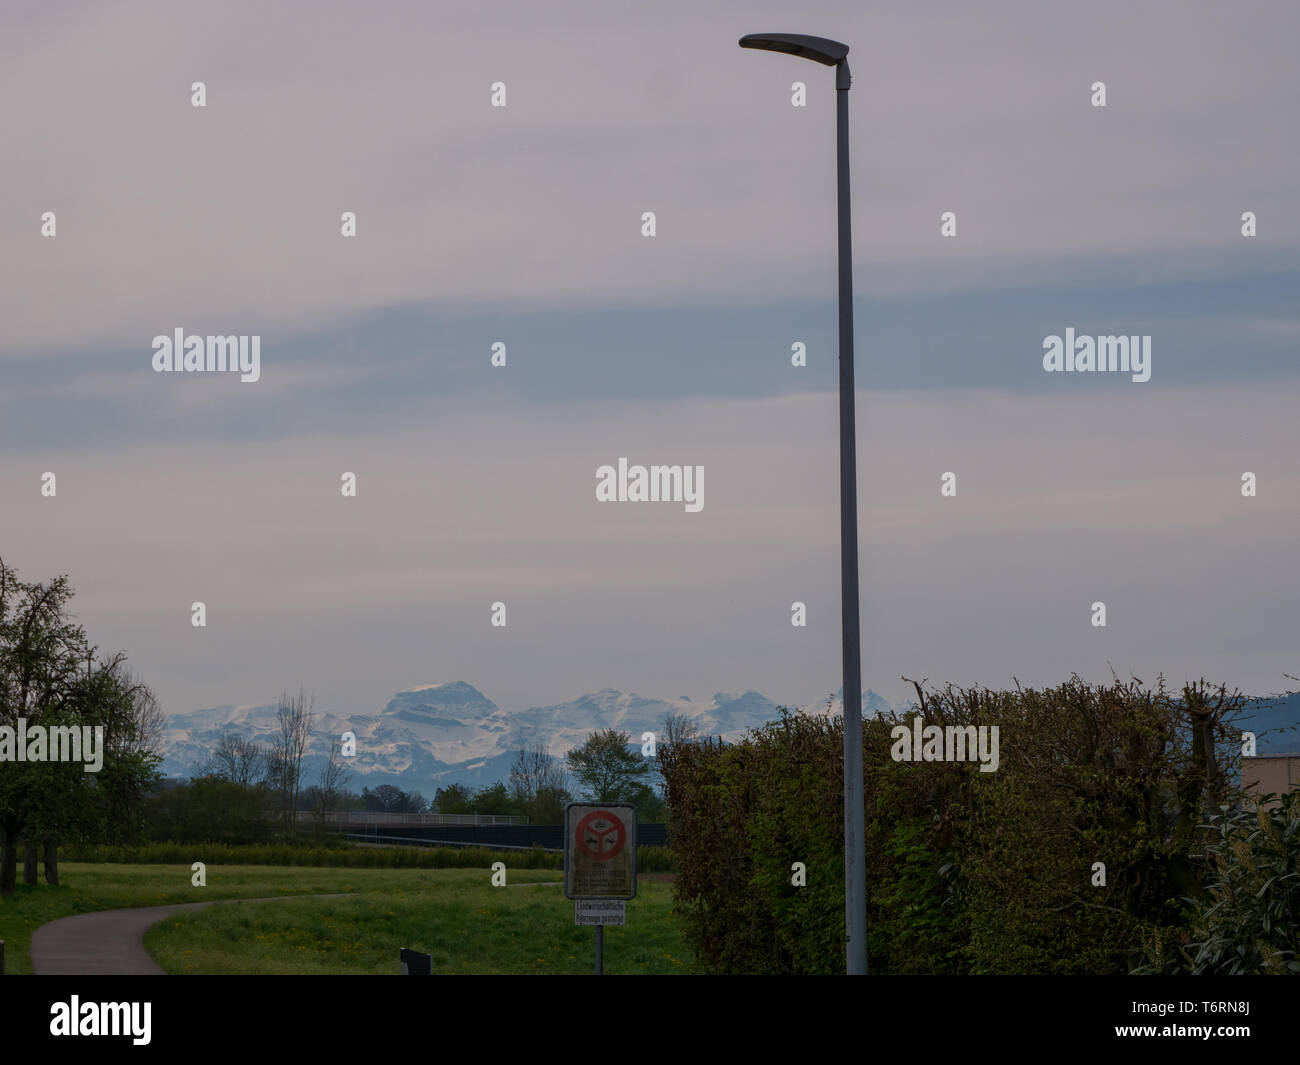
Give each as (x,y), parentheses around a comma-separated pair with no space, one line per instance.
(111,942)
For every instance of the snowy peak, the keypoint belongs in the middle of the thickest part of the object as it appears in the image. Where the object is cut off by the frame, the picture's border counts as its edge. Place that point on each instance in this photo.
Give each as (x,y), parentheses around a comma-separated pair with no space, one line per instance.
(437,734)
(872,704)
(454,701)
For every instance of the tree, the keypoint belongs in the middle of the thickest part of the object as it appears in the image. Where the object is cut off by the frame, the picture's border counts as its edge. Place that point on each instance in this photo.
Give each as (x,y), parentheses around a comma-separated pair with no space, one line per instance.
(453,799)
(295,718)
(41,652)
(677,729)
(383,800)
(350,801)
(238,759)
(537,782)
(133,722)
(648,802)
(547,807)
(144,717)
(210,810)
(64,801)
(50,677)
(606,769)
(389,799)
(333,776)
(494,799)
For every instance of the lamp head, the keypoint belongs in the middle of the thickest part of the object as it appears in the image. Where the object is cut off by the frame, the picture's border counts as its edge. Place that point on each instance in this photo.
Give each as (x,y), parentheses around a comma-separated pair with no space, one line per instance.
(816,48)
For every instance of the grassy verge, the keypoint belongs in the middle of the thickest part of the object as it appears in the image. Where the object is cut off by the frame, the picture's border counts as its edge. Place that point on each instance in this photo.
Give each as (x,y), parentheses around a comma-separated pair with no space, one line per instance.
(104,886)
(454,915)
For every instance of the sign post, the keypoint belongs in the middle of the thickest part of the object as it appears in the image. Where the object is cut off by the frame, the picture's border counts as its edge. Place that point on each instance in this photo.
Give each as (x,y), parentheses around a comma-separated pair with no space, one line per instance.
(599,865)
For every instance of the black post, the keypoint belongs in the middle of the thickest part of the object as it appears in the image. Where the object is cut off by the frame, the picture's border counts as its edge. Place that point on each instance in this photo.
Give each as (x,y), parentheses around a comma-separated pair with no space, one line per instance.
(600,949)
(855,865)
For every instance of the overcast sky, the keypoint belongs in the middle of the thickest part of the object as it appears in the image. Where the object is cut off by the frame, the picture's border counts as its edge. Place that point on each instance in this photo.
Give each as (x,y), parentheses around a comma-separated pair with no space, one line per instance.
(522,224)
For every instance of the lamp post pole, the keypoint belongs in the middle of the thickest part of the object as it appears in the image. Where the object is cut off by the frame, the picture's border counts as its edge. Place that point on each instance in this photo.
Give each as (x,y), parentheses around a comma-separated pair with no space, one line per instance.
(833,53)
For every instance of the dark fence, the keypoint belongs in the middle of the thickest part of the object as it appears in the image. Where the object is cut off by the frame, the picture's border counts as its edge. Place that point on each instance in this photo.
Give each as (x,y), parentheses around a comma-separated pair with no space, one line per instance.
(351,818)
(548,837)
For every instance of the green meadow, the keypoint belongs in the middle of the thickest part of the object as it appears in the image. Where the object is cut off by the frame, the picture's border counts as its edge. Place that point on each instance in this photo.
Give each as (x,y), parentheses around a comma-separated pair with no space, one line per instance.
(455,915)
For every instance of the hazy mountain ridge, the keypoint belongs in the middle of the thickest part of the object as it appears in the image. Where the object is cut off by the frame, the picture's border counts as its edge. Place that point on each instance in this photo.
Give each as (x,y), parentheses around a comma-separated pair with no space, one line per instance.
(433,735)
(1275,721)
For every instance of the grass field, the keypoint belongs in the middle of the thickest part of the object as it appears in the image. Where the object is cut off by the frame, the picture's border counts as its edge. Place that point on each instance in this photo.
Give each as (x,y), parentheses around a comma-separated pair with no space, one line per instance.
(454,914)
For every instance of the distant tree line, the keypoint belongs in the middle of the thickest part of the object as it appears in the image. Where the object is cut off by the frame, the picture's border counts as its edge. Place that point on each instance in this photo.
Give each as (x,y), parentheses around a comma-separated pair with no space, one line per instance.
(247,792)
(250,792)
(607,768)
(388,799)
(51,676)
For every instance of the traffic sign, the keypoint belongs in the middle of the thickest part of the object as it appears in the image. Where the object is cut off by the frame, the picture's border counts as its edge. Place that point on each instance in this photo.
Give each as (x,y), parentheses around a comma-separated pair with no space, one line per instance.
(599,851)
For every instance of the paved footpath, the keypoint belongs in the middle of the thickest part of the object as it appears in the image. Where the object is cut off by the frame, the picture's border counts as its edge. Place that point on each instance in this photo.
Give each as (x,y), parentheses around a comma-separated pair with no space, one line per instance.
(112,941)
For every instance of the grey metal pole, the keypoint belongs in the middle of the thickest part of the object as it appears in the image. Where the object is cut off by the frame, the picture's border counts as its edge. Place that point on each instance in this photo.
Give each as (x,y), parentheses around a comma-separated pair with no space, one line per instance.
(834,53)
(600,949)
(855,862)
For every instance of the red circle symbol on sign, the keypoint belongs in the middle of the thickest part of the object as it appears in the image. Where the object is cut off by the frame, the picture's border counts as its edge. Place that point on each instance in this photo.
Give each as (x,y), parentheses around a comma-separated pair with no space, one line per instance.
(601,835)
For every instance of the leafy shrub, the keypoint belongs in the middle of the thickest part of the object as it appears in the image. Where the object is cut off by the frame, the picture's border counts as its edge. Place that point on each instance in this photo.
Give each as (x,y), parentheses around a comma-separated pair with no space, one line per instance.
(967,871)
(1250,923)
(210,809)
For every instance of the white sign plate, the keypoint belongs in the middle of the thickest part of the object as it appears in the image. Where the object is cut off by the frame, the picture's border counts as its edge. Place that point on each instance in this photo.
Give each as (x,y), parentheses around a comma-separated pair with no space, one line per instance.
(599,911)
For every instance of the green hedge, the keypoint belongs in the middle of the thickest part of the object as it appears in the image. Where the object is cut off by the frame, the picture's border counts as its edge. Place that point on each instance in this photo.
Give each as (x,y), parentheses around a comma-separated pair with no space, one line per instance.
(967,871)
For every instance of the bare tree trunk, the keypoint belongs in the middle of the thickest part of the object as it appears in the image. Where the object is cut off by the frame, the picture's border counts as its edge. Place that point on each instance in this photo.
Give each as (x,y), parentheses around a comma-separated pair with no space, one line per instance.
(29,861)
(9,867)
(52,862)
(295,719)
(332,778)
(8,856)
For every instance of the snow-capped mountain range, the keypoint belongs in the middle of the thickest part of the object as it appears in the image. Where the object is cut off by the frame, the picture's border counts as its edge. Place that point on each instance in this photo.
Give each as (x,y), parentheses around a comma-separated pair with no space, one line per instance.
(438,734)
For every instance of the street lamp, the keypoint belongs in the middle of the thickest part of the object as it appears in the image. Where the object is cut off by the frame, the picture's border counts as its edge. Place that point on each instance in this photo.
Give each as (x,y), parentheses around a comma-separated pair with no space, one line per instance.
(832,54)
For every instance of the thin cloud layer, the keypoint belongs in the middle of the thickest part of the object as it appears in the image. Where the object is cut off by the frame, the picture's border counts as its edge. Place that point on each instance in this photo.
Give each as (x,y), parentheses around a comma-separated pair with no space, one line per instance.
(231,212)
